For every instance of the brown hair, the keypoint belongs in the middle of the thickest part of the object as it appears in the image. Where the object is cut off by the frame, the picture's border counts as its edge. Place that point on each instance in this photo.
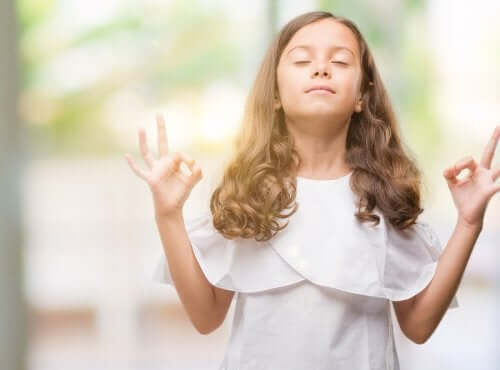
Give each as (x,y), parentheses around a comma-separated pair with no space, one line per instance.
(259,181)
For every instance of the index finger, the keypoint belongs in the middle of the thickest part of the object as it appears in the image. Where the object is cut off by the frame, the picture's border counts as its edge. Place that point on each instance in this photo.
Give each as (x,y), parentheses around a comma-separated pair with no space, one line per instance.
(489,151)
(162,136)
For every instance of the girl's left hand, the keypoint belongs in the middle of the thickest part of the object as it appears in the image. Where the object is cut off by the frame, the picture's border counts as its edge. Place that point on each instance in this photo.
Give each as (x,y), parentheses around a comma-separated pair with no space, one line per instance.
(472,194)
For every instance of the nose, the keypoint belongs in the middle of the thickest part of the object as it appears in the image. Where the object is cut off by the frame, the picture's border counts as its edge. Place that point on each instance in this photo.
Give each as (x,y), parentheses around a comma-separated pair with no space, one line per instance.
(321,70)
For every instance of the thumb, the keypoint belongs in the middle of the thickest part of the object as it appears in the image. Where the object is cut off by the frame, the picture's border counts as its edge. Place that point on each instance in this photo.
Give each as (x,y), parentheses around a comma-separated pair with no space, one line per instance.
(450,175)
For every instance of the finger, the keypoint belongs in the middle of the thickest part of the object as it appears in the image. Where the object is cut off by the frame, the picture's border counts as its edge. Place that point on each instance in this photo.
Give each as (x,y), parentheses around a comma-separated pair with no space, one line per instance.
(452,172)
(187,159)
(139,172)
(494,189)
(171,164)
(467,162)
(173,168)
(162,135)
(489,151)
(187,177)
(449,175)
(496,173)
(196,175)
(144,148)
(184,178)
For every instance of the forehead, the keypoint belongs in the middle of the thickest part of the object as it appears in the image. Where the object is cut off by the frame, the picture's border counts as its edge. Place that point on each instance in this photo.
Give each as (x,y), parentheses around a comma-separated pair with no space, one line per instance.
(326,33)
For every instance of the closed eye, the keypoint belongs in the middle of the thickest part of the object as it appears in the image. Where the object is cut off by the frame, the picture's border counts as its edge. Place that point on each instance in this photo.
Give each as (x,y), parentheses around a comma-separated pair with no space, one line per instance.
(340,62)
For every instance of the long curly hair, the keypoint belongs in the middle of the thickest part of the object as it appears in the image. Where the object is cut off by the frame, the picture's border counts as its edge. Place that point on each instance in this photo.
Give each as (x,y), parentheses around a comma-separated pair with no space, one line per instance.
(259,182)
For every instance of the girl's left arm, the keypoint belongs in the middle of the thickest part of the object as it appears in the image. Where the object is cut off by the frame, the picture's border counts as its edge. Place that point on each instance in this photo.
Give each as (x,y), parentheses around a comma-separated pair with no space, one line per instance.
(420,315)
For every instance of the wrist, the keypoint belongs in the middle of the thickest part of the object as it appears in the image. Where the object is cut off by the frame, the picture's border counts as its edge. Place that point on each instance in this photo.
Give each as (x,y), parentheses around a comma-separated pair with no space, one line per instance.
(464,224)
(170,217)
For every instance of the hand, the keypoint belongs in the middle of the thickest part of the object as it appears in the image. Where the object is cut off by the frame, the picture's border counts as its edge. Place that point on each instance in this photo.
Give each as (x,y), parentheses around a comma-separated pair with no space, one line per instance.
(169,185)
(472,194)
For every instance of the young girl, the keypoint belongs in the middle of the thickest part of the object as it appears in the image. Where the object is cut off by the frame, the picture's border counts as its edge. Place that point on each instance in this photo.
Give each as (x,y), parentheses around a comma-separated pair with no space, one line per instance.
(314,285)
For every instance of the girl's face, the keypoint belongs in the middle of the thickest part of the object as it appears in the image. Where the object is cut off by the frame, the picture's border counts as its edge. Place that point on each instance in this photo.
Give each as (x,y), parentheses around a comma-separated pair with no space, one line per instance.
(323,53)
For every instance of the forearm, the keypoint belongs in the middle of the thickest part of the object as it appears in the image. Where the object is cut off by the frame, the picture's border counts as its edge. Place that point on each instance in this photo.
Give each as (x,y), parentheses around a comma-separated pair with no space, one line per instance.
(432,303)
(195,291)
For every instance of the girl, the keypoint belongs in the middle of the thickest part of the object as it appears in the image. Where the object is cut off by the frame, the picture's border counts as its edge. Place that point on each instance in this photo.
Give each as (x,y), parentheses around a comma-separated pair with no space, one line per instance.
(314,285)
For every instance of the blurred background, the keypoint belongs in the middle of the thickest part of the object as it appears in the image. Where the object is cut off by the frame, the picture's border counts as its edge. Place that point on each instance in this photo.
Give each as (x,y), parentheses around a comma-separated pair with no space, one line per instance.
(78,237)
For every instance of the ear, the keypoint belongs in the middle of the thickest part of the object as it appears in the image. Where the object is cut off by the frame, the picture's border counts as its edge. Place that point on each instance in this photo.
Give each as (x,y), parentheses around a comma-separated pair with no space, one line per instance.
(277,103)
(359,107)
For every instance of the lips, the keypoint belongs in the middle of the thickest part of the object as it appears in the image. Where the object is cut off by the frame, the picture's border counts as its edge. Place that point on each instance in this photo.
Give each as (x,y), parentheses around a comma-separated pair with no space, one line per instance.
(320,87)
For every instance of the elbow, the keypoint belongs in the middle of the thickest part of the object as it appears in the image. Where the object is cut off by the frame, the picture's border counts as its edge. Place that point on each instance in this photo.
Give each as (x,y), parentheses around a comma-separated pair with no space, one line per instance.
(203,330)
(207,327)
(209,321)
(414,335)
(208,330)
(419,338)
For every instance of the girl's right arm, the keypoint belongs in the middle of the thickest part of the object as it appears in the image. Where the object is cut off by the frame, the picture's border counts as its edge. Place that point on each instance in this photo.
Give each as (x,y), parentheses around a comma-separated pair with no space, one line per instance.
(205,304)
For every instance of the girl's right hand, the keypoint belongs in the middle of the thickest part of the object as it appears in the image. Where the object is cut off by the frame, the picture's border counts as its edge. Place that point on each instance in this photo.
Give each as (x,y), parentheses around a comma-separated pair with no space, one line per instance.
(169,185)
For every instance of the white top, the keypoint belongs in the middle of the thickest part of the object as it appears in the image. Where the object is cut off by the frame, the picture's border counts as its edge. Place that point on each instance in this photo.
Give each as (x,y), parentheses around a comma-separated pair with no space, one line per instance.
(318,294)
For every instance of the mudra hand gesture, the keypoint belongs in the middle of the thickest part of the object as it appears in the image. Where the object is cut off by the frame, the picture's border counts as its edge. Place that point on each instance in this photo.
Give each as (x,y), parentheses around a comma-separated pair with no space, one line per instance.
(472,194)
(169,185)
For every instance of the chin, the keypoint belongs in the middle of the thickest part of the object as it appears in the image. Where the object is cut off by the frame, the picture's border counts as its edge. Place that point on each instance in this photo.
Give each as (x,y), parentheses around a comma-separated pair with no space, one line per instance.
(320,110)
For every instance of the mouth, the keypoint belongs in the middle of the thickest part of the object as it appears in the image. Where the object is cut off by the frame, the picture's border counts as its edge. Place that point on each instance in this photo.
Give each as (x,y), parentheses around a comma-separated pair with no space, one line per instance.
(321,90)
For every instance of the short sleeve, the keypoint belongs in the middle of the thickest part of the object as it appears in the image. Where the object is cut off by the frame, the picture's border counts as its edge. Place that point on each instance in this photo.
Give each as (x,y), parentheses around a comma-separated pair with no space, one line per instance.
(412,257)
(242,265)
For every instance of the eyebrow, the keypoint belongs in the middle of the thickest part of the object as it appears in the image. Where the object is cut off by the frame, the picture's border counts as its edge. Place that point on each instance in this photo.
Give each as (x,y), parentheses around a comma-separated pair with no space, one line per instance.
(331,47)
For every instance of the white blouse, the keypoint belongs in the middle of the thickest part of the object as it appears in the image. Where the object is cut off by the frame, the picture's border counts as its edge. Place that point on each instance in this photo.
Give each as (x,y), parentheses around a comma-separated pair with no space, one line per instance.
(317,295)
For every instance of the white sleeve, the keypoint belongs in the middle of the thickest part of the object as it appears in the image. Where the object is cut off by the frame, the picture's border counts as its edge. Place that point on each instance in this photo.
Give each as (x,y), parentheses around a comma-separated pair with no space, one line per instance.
(411,260)
(233,264)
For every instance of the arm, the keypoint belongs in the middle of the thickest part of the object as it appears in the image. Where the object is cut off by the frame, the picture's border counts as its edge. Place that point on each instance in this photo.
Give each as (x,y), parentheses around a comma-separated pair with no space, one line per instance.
(195,292)
(205,304)
(419,316)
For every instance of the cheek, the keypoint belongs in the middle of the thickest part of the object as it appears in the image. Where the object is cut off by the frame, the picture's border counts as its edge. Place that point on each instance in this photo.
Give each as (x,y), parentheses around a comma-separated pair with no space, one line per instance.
(290,85)
(349,86)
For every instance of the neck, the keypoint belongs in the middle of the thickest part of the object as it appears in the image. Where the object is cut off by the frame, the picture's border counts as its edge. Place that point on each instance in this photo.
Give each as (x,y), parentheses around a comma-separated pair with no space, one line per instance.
(322,148)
